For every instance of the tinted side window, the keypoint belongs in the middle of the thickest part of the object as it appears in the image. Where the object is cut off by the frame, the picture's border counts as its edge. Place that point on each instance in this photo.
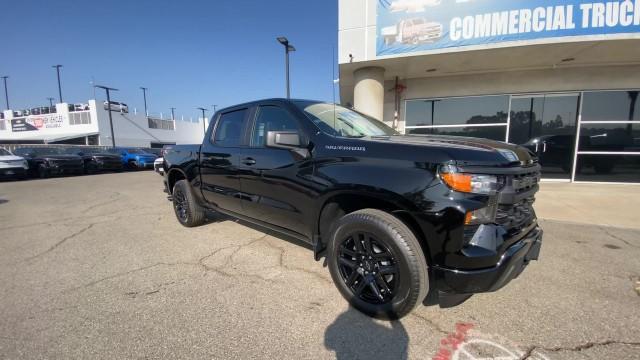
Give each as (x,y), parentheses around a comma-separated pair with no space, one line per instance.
(229,129)
(271,118)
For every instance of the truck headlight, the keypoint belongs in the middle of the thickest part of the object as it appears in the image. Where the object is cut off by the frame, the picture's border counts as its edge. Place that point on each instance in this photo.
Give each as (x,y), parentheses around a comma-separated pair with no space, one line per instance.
(469,183)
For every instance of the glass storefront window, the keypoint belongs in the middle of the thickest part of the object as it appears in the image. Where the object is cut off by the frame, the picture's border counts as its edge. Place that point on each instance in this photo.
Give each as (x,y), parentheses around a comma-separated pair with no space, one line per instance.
(418,113)
(611,106)
(488,132)
(610,168)
(609,137)
(458,111)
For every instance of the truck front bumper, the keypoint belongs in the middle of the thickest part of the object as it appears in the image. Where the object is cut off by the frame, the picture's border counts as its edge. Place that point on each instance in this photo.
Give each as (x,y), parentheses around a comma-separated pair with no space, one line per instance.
(511,264)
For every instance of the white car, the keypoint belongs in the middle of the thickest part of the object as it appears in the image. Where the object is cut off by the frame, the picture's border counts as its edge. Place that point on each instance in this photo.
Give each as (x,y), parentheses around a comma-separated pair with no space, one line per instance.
(158,165)
(12,166)
(116,106)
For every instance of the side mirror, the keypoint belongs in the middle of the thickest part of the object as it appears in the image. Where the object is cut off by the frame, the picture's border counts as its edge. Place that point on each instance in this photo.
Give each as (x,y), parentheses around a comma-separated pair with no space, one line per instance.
(283,139)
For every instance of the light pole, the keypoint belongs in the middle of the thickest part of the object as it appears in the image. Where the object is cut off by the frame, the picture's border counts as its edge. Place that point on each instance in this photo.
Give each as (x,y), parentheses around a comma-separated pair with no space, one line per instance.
(107,89)
(59,87)
(287,48)
(214,108)
(204,125)
(50,102)
(6,93)
(173,115)
(144,95)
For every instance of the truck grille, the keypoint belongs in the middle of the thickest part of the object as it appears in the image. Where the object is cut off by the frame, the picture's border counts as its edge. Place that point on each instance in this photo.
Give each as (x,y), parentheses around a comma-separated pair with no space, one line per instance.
(525,181)
(516,216)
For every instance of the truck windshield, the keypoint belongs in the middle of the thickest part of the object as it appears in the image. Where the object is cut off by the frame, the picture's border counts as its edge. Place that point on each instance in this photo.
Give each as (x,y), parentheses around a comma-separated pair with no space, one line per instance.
(340,121)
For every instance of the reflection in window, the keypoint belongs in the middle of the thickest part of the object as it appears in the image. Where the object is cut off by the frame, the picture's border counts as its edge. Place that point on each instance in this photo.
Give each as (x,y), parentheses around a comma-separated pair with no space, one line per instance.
(457,111)
(488,132)
(616,168)
(611,106)
(610,137)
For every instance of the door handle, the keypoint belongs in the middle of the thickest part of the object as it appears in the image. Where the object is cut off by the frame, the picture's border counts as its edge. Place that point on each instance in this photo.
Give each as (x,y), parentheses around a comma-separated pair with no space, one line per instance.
(248,161)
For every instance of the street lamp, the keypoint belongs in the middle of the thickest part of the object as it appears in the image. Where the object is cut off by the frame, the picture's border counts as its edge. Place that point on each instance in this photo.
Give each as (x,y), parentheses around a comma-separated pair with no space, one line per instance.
(287,48)
(59,87)
(173,115)
(6,93)
(144,95)
(107,89)
(50,102)
(204,126)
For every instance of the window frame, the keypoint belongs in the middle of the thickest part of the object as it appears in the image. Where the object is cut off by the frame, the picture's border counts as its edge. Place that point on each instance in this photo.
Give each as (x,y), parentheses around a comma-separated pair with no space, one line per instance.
(249,110)
(254,120)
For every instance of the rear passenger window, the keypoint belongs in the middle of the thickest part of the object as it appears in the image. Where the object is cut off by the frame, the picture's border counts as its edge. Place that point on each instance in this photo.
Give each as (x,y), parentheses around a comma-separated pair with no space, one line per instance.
(229,129)
(271,118)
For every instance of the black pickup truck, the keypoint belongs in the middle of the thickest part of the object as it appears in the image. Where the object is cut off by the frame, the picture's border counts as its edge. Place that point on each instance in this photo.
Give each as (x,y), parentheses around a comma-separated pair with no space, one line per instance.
(399,219)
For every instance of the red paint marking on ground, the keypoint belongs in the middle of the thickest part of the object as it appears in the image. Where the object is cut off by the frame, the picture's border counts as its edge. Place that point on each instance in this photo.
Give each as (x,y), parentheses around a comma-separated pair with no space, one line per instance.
(452,341)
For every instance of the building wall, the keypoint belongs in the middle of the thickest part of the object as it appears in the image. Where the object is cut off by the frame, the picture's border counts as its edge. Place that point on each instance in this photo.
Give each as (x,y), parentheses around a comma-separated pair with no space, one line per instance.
(133,130)
(130,129)
(513,82)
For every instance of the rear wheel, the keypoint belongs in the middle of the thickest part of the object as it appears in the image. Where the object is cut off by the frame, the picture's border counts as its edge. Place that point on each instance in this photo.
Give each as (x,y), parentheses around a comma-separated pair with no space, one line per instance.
(187,209)
(377,264)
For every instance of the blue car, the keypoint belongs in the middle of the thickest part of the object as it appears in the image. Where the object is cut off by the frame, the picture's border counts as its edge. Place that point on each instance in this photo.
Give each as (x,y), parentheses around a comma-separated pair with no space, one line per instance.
(135,158)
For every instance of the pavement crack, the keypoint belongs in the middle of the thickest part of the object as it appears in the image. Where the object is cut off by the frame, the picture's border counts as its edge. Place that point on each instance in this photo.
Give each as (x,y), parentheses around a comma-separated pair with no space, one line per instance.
(430,323)
(609,233)
(56,245)
(588,345)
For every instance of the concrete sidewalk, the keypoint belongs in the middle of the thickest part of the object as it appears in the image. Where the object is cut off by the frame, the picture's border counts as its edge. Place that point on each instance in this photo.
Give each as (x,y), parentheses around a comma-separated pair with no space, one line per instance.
(595,204)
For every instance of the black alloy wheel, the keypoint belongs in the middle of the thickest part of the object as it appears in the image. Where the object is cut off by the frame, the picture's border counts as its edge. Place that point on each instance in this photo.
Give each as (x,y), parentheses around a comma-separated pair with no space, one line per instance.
(188,212)
(368,268)
(377,263)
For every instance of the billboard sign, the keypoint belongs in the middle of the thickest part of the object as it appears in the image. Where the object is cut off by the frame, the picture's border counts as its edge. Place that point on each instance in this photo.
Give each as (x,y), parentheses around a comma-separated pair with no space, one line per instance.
(405,26)
(33,123)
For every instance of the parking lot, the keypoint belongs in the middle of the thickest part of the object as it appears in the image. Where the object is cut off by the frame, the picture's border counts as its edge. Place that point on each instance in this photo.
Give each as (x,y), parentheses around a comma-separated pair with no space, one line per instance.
(98,267)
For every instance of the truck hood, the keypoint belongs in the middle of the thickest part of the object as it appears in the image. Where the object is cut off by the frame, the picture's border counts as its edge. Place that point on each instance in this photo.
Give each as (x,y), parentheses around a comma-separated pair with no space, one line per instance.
(59,157)
(460,148)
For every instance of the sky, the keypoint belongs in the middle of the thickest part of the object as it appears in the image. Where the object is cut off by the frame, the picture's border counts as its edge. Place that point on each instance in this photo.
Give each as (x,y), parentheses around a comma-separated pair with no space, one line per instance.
(187,53)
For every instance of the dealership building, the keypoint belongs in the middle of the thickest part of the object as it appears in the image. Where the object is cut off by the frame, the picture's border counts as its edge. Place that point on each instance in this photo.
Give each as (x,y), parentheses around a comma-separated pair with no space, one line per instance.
(560,78)
(89,124)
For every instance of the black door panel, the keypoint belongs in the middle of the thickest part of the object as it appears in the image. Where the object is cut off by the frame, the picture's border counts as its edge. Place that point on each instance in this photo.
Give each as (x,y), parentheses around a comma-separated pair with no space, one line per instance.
(219,160)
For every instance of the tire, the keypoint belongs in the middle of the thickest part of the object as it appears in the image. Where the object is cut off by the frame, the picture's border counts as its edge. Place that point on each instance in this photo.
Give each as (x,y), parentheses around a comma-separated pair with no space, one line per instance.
(43,173)
(395,264)
(188,212)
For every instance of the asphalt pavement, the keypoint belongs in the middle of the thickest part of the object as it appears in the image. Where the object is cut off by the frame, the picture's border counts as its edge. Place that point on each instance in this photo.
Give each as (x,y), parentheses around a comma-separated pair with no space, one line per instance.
(98,267)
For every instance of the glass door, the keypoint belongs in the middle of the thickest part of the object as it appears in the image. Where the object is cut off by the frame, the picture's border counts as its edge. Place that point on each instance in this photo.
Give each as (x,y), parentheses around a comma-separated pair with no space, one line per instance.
(546,124)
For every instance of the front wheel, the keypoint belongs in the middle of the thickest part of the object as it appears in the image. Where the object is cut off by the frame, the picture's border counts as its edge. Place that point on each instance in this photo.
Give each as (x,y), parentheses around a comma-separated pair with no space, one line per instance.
(187,209)
(377,264)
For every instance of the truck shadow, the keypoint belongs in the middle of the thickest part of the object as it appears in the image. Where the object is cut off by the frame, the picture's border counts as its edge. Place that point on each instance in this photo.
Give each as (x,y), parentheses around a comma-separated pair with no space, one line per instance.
(354,335)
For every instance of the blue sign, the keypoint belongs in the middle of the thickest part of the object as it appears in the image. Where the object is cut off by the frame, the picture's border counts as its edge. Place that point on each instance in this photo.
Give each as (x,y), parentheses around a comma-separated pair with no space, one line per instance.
(417,25)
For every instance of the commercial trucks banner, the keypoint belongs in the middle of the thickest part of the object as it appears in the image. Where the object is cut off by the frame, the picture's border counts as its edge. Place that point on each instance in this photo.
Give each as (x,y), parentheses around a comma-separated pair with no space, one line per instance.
(405,26)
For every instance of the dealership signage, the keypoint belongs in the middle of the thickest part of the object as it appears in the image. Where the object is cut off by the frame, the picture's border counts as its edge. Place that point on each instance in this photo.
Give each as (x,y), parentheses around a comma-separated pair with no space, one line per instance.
(417,25)
(33,123)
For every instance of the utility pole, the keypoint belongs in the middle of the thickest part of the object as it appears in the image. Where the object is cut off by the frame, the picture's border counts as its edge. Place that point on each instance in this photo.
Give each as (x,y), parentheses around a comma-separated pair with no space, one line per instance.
(214,108)
(50,101)
(287,49)
(204,122)
(6,93)
(173,115)
(144,95)
(107,89)
(59,87)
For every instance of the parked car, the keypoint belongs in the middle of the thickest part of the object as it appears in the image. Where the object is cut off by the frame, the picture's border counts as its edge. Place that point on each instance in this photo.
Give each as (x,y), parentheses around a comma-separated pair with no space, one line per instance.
(135,158)
(116,106)
(12,166)
(96,159)
(400,219)
(48,161)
